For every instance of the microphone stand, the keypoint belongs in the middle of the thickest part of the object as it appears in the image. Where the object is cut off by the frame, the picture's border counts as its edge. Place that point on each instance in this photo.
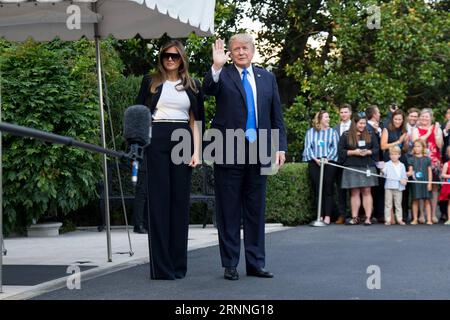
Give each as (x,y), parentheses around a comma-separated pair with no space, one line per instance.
(53,138)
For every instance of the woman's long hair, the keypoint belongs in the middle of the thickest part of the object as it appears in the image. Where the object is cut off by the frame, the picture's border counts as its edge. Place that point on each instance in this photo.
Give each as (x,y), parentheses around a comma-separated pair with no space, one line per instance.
(183,71)
(391,126)
(318,119)
(353,131)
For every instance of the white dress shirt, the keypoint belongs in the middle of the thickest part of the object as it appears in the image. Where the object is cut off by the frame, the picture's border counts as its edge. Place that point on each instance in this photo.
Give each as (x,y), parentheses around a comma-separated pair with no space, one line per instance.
(372,124)
(344,126)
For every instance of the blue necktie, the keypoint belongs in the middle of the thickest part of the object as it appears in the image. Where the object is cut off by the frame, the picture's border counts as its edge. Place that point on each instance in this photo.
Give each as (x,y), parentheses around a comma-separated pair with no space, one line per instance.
(250,128)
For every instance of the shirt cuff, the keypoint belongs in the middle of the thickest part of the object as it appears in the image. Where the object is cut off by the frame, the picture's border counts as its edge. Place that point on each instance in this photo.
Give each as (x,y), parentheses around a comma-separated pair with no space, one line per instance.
(216,74)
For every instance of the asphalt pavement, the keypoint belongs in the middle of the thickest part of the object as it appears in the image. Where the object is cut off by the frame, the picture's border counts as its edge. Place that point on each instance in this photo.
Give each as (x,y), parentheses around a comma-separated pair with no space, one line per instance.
(329,263)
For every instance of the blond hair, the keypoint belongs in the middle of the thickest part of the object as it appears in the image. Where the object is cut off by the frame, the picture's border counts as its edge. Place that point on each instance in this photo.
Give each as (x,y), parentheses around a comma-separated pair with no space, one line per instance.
(429,111)
(424,147)
(242,37)
(395,150)
(317,119)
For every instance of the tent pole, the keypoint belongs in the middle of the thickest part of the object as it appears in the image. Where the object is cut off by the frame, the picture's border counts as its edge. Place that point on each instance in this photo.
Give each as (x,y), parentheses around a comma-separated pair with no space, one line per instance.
(102,126)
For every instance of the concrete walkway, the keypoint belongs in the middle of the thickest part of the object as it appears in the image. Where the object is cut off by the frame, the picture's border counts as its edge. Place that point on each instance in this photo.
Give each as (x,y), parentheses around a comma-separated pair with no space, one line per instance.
(87,247)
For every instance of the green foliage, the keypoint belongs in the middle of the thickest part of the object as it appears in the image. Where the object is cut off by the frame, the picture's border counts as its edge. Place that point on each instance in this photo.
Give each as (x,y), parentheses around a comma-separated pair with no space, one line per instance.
(50,87)
(122,93)
(289,196)
(405,61)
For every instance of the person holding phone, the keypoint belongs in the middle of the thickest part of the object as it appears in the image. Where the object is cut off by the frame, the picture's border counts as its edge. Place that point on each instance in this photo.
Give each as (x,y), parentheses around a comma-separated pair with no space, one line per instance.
(358,150)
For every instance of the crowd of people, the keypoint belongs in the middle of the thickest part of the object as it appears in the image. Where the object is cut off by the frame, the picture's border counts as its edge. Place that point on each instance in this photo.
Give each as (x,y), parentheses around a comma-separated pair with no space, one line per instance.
(391,171)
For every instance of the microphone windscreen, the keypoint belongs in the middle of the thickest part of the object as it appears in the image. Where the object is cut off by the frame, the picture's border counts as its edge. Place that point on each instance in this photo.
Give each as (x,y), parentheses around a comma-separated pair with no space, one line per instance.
(137,124)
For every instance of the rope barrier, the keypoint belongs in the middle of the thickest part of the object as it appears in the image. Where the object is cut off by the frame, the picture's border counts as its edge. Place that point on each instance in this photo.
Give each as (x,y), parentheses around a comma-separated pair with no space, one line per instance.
(369,173)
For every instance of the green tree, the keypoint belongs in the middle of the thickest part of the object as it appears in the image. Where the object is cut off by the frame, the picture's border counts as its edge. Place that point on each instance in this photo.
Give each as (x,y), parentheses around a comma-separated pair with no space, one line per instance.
(325,53)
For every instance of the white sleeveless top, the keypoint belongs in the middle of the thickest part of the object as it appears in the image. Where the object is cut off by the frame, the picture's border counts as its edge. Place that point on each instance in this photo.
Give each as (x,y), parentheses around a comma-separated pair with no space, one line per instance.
(173,104)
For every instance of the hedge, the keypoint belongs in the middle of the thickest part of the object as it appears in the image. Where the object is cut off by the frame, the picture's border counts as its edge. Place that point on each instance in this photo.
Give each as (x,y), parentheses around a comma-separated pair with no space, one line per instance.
(289,198)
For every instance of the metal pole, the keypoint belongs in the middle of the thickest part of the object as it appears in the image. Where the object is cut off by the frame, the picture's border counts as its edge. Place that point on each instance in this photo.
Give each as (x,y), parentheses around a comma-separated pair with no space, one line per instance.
(117,164)
(102,126)
(318,223)
(1,191)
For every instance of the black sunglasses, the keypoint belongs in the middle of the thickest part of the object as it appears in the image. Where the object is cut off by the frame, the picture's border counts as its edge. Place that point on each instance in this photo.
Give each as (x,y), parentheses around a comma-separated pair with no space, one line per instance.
(173,56)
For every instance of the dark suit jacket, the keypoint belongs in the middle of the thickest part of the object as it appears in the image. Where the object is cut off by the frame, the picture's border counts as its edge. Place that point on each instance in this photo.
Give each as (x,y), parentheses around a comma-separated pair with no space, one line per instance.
(231,110)
(375,134)
(444,156)
(338,129)
(150,100)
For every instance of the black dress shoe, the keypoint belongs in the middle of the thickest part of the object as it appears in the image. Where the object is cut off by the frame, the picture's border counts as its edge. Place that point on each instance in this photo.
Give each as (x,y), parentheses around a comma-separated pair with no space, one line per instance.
(140,229)
(231,274)
(261,273)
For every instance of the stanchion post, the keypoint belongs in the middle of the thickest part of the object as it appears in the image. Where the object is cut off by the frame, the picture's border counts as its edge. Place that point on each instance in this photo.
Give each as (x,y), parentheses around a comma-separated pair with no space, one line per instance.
(318,223)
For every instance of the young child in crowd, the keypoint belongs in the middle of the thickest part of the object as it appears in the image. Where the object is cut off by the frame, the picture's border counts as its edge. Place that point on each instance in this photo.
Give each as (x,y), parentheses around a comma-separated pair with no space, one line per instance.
(445,190)
(420,169)
(395,173)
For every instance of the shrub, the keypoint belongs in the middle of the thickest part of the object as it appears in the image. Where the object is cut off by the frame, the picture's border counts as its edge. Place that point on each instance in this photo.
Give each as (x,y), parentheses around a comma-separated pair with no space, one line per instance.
(289,197)
(122,93)
(50,87)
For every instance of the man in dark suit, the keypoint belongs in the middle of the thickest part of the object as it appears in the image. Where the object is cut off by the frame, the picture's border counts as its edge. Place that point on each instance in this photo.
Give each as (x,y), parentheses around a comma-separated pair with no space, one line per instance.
(345,114)
(375,126)
(446,133)
(247,100)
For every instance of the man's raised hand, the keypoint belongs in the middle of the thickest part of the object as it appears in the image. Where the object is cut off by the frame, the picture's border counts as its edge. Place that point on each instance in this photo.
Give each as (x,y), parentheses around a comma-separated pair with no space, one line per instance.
(219,55)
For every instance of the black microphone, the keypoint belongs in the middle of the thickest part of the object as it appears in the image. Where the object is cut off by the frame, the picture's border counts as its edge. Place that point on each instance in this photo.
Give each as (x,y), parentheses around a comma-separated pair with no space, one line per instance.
(137,133)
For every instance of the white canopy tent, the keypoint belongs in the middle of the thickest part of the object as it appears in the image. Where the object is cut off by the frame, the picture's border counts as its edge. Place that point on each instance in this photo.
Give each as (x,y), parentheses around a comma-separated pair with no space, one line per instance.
(44,20)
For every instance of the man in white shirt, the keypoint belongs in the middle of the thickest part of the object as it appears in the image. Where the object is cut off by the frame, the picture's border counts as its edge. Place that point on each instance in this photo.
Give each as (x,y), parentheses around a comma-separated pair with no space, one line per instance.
(373,119)
(345,114)
(413,116)
(446,132)
(375,126)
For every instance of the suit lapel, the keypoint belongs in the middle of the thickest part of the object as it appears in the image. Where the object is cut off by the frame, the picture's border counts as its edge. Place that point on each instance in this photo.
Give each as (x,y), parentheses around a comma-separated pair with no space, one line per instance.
(236,78)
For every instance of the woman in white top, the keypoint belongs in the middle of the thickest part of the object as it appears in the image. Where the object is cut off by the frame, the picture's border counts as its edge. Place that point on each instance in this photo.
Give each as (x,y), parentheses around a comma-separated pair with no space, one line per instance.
(176,103)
